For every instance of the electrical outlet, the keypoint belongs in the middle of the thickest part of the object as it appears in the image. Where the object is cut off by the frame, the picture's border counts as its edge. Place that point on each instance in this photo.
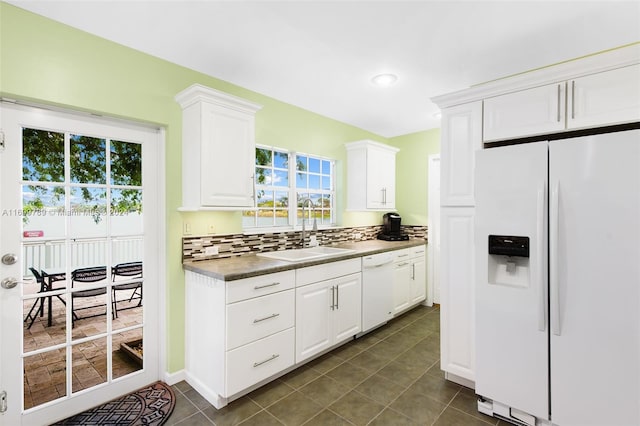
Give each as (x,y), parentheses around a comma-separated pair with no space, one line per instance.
(211,250)
(187,228)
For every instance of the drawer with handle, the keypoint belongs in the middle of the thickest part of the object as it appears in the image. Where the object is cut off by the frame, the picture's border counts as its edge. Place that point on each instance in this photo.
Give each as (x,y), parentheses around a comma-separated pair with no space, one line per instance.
(256,318)
(402,255)
(418,251)
(259,286)
(249,364)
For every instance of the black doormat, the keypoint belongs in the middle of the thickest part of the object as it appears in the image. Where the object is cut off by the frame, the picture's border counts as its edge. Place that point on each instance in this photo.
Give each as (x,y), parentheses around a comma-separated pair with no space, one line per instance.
(151,405)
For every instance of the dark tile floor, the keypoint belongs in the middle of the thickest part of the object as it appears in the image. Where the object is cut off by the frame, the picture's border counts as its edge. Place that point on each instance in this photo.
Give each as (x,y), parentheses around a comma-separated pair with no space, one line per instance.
(391,376)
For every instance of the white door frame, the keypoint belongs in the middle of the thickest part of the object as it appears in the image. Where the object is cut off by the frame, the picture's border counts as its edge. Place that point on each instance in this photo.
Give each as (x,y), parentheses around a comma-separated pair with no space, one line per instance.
(155,246)
(433,229)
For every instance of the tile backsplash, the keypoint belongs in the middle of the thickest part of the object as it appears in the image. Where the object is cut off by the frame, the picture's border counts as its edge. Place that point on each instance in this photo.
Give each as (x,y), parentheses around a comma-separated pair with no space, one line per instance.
(230,245)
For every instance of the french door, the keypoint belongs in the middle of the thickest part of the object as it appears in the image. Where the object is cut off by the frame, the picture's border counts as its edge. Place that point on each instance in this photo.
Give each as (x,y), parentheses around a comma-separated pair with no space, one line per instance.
(80,247)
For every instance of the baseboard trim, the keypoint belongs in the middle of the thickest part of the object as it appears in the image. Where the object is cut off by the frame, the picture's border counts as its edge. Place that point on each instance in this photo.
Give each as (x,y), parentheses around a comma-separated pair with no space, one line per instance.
(173,378)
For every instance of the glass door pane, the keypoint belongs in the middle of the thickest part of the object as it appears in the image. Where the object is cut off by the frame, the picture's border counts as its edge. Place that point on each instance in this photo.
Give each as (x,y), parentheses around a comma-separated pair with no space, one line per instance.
(83,240)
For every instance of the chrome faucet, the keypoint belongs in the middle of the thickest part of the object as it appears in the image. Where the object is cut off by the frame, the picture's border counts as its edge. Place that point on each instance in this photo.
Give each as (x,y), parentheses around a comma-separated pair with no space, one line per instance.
(315,224)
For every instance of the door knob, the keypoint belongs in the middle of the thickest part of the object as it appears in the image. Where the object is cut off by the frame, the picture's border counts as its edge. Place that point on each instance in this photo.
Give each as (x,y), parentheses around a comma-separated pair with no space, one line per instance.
(9,283)
(9,259)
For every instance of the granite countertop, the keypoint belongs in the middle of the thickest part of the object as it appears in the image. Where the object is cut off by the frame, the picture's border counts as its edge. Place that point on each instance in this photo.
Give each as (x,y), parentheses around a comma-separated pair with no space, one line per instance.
(235,268)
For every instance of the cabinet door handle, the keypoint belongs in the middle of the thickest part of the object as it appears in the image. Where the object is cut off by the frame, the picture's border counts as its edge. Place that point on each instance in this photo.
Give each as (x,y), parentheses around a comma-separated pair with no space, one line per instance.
(257,364)
(559,90)
(554,285)
(258,287)
(333,298)
(573,99)
(403,264)
(403,255)
(413,271)
(337,297)
(265,318)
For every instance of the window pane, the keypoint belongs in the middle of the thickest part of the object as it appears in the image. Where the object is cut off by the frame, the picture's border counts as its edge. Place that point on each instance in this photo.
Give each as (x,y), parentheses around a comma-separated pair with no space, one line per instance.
(88,212)
(314,165)
(265,198)
(315,198)
(280,178)
(281,159)
(301,163)
(263,157)
(126,211)
(282,218)
(282,199)
(43,211)
(127,352)
(326,167)
(126,163)
(301,180)
(265,218)
(314,182)
(248,218)
(263,176)
(326,183)
(88,159)
(89,364)
(42,156)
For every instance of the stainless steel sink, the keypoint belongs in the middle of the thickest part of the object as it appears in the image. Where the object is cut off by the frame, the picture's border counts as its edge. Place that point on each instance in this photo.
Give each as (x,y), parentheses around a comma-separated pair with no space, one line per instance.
(299,255)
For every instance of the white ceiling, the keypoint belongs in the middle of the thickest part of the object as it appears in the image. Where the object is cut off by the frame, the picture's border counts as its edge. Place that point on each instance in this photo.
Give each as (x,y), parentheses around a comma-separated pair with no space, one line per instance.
(320,55)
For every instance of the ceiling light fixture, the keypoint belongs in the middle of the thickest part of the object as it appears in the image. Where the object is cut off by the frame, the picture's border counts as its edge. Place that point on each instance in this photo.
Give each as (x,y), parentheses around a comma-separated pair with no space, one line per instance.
(384,80)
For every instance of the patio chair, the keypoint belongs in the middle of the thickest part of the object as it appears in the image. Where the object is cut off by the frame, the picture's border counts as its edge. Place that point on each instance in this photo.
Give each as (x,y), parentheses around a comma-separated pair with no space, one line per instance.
(128,270)
(38,304)
(87,275)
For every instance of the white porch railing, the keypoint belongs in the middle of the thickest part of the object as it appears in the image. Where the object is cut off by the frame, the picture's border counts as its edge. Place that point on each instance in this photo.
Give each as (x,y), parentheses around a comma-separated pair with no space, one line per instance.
(50,255)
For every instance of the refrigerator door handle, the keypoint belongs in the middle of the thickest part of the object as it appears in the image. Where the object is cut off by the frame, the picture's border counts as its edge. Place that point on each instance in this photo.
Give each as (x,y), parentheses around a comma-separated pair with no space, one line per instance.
(540,237)
(553,259)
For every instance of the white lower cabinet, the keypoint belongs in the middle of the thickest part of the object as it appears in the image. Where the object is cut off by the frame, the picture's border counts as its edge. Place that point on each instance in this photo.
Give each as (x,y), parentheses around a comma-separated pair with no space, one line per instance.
(418,285)
(409,278)
(401,281)
(457,292)
(238,333)
(252,363)
(327,313)
(242,333)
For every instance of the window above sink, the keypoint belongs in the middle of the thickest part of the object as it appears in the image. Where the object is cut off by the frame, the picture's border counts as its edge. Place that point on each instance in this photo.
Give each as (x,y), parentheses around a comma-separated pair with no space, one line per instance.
(281,176)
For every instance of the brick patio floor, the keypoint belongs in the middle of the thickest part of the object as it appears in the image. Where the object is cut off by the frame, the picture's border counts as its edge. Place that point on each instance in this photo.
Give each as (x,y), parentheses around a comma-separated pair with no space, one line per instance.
(45,373)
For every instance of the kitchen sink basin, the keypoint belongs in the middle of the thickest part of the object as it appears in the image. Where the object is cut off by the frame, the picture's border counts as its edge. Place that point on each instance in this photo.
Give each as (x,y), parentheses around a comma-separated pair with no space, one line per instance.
(299,255)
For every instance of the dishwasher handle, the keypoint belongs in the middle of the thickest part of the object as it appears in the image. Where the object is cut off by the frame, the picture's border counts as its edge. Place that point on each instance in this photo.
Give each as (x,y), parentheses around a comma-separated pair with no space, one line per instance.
(376,261)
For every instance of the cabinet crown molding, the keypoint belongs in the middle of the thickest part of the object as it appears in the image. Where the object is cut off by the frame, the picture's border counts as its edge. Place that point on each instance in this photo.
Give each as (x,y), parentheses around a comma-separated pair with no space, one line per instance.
(366,142)
(199,93)
(590,64)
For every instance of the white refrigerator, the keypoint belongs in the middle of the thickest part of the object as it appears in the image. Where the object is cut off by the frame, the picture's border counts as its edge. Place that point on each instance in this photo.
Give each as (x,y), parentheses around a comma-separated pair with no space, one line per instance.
(557,240)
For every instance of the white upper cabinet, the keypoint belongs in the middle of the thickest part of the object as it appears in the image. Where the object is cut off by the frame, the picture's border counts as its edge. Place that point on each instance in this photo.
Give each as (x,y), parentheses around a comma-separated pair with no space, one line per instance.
(371,176)
(461,138)
(605,98)
(218,150)
(600,99)
(527,112)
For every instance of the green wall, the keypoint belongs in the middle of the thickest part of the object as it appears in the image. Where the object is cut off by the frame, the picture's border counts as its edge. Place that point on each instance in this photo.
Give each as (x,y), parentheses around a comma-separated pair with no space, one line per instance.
(412,173)
(50,63)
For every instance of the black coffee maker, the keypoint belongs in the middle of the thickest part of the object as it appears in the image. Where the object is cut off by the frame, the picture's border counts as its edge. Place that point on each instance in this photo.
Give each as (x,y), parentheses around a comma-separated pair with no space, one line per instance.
(391,228)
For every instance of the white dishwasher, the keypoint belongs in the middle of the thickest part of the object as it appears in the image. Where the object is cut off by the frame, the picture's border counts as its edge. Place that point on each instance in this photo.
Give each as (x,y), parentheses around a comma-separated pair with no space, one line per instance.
(377,290)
